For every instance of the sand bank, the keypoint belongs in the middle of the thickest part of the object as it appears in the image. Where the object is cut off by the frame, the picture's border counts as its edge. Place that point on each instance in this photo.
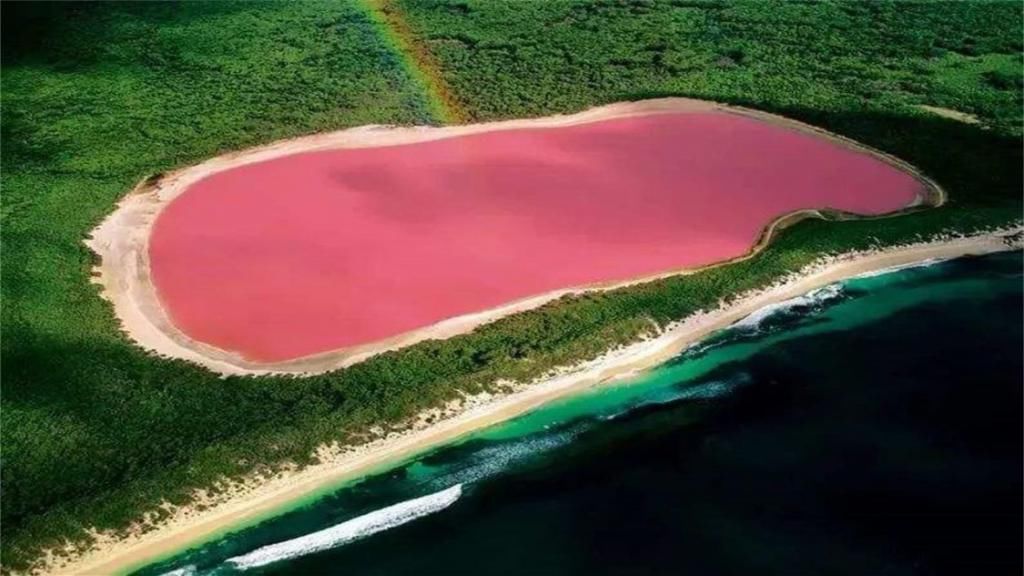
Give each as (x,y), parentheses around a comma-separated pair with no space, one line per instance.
(258,496)
(123,240)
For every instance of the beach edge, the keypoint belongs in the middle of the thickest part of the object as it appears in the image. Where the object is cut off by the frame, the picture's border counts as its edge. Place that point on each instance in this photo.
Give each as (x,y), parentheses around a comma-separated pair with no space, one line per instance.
(257,497)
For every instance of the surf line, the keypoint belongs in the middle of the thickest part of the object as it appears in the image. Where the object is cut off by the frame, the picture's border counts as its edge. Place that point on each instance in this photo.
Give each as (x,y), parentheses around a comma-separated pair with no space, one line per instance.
(350,530)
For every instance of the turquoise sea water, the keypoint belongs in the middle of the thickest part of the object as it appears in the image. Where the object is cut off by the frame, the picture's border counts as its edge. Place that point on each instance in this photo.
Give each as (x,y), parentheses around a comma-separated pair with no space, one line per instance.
(872,426)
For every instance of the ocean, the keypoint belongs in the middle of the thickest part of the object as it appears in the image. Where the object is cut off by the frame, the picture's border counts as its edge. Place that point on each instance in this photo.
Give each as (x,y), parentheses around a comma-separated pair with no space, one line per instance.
(870,427)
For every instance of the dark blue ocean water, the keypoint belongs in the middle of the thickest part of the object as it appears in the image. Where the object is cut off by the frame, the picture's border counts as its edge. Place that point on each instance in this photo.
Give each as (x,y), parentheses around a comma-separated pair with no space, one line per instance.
(872,427)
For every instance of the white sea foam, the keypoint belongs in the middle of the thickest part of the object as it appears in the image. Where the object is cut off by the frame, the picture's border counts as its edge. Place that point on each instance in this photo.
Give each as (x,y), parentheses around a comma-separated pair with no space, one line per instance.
(814,298)
(705,391)
(361,527)
(494,459)
(708,391)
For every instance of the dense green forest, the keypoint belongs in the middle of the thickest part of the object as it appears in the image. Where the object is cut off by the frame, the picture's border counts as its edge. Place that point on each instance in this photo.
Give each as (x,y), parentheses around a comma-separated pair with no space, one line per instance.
(535,57)
(96,97)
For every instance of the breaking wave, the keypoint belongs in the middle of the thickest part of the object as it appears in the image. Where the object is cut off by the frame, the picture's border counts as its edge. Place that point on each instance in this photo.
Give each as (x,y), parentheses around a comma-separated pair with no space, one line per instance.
(189,570)
(706,391)
(811,302)
(712,389)
(494,459)
(350,530)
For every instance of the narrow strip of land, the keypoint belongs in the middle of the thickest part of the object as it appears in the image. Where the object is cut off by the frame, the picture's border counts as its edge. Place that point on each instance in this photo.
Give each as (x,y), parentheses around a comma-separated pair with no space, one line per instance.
(258,497)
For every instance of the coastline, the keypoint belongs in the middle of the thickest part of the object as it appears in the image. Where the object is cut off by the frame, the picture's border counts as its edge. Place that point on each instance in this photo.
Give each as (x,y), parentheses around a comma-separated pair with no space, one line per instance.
(122,239)
(259,497)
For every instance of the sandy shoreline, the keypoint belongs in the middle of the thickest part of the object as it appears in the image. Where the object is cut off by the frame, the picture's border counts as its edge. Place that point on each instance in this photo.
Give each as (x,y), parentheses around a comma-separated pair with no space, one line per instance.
(122,239)
(259,496)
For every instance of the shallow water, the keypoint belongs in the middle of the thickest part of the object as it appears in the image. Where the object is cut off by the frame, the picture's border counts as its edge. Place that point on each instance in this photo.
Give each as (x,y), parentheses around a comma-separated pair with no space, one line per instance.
(872,427)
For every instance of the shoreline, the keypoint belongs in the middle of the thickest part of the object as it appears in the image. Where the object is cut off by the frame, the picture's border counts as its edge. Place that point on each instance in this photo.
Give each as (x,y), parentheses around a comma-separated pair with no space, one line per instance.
(258,498)
(122,239)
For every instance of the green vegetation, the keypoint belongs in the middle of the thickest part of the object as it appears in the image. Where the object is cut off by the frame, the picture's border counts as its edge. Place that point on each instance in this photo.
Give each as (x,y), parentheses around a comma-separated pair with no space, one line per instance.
(536,57)
(96,97)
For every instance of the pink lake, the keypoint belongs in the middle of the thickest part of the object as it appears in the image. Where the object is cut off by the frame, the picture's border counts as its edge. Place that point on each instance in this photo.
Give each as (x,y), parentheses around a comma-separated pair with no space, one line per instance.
(327,250)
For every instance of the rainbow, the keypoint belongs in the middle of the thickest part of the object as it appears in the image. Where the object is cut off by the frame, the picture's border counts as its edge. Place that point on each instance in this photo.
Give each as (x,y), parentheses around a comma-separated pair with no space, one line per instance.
(417,61)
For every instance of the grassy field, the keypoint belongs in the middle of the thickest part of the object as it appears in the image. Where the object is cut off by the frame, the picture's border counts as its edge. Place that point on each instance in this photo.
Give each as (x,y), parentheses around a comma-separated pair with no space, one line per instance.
(96,97)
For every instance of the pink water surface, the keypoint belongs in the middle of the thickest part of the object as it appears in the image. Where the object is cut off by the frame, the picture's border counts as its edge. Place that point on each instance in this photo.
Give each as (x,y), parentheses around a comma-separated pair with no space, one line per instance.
(326,250)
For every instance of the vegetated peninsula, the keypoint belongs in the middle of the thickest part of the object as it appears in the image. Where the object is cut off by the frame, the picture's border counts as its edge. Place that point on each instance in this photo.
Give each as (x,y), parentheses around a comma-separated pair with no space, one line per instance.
(111,448)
